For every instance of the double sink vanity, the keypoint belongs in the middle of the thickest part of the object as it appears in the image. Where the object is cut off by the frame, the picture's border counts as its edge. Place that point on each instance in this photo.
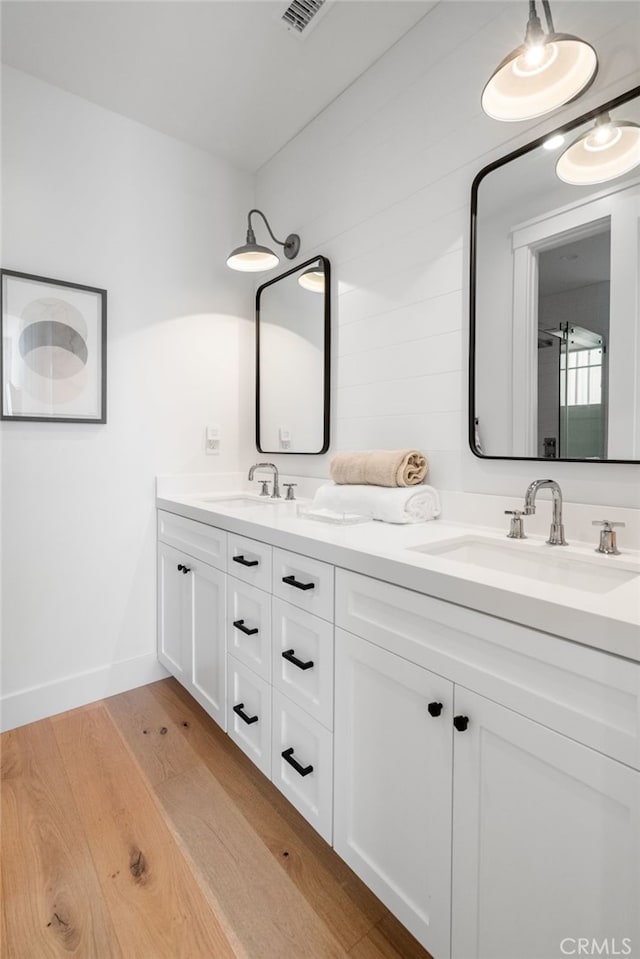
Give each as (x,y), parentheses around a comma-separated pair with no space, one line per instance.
(455,711)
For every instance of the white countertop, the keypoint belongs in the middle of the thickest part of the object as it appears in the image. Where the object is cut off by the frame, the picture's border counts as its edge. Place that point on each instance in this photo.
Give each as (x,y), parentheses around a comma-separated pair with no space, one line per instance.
(607,620)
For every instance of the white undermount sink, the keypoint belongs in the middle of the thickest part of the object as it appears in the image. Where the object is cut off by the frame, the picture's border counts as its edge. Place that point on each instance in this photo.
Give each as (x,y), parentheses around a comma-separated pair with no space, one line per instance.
(535,561)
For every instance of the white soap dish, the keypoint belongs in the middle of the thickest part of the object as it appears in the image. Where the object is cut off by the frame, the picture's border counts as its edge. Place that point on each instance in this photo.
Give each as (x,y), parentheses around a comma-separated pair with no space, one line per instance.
(334,517)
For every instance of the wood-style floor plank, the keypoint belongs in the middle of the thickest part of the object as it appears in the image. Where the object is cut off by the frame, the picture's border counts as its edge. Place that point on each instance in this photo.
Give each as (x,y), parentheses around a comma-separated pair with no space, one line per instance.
(266,911)
(335,893)
(52,903)
(161,840)
(157,906)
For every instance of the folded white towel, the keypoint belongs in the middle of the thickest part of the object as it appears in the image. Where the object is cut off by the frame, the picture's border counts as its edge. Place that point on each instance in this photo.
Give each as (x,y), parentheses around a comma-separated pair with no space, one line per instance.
(412,504)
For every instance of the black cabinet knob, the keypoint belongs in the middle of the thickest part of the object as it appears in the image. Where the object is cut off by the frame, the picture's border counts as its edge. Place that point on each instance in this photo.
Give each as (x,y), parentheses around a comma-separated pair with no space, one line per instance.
(434,709)
(180,567)
(185,570)
(461,723)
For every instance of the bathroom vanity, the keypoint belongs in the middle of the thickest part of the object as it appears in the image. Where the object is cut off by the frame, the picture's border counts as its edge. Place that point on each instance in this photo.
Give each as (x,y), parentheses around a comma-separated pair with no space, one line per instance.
(467,739)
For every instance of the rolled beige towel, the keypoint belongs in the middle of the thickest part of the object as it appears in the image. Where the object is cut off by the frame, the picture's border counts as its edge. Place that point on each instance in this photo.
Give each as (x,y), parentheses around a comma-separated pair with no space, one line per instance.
(380,468)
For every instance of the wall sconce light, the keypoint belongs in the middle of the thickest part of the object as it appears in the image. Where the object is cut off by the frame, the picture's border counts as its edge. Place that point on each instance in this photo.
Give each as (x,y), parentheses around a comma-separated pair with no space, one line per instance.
(608,150)
(547,71)
(313,279)
(253,258)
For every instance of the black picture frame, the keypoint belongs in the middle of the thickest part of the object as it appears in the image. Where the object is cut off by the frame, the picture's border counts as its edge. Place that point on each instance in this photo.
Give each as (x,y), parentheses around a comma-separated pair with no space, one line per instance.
(496,164)
(326,398)
(67,344)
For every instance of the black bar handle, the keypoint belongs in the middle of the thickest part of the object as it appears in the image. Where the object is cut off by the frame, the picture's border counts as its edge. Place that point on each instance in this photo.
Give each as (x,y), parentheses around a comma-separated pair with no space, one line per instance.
(288,655)
(292,581)
(287,755)
(239,710)
(245,562)
(461,723)
(239,624)
(434,709)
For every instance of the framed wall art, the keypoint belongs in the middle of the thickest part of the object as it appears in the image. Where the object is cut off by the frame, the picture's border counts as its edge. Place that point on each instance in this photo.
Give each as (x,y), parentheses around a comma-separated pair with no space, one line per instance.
(53,356)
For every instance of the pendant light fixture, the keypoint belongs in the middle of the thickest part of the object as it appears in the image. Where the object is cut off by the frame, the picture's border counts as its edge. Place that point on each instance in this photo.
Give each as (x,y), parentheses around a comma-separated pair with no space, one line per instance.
(547,71)
(313,279)
(253,258)
(608,150)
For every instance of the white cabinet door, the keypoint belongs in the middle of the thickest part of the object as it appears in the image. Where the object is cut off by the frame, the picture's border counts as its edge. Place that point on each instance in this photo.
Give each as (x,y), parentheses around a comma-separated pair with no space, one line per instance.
(174,612)
(208,639)
(393,780)
(191,627)
(546,841)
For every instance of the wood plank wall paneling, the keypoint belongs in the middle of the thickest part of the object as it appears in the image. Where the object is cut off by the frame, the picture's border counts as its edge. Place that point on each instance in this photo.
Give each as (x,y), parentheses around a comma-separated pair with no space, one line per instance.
(134,828)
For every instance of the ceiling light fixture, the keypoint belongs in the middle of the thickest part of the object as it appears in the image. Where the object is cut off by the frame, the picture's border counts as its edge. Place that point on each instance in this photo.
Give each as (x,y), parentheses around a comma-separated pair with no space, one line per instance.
(554,142)
(547,71)
(608,150)
(313,279)
(253,258)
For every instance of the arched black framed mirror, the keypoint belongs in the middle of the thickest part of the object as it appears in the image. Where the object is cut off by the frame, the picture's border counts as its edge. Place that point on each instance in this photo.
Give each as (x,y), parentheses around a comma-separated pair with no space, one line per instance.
(554,362)
(293,360)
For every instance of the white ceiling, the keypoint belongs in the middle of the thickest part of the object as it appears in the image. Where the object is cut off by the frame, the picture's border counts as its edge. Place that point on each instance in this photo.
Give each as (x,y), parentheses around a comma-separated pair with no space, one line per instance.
(224,75)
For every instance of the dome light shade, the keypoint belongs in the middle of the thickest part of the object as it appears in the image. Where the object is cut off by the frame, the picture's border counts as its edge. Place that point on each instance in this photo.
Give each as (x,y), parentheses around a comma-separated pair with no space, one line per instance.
(547,71)
(312,279)
(253,258)
(608,150)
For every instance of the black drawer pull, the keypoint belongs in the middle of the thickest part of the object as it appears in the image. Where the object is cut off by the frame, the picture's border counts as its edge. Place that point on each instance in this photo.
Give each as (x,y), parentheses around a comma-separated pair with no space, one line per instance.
(288,655)
(239,624)
(292,581)
(461,723)
(287,755)
(183,569)
(434,709)
(239,710)
(245,562)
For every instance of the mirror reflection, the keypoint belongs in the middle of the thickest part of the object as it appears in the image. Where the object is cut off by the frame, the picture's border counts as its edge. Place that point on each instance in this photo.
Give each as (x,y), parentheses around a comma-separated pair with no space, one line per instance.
(555,328)
(293,360)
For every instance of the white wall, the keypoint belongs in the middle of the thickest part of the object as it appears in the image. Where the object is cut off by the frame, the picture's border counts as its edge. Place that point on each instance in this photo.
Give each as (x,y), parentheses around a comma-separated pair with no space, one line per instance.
(92,197)
(391,162)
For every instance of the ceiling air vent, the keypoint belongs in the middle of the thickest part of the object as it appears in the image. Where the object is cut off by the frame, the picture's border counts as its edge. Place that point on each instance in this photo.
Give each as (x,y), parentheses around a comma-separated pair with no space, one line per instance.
(302,15)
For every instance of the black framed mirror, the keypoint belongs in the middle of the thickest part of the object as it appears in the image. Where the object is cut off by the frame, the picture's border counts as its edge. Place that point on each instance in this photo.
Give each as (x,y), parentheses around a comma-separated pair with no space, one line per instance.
(554,357)
(293,360)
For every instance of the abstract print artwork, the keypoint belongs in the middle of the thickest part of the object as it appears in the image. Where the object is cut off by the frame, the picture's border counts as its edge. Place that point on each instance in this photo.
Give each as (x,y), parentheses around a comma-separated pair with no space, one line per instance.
(53,350)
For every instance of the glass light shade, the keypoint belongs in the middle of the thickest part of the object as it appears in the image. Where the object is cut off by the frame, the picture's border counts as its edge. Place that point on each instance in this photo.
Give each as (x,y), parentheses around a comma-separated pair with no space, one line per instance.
(252,258)
(607,151)
(539,77)
(312,280)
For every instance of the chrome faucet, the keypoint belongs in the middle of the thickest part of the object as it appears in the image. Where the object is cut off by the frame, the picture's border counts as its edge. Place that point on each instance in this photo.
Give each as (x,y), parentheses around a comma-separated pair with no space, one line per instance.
(556,533)
(276,476)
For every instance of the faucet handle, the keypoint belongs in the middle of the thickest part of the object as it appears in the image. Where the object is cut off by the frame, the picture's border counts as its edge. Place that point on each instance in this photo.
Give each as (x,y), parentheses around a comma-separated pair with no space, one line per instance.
(289,488)
(265,487)
(607,543)
(516,527)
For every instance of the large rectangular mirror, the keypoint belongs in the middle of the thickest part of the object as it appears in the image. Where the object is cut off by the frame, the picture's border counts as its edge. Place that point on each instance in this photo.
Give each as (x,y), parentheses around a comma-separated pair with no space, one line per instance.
(293,360)
(555,329)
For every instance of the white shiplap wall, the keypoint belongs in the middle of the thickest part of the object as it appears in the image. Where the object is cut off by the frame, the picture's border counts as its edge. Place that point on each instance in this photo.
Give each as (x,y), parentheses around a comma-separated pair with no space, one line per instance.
(380,183)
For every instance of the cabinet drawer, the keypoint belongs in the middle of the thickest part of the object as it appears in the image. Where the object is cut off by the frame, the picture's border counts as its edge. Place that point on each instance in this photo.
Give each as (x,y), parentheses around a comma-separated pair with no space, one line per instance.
(250,561)
(305,582)
(303,659)
(197,539)
(306,775)
(249,713)
(249,626)
(588,695)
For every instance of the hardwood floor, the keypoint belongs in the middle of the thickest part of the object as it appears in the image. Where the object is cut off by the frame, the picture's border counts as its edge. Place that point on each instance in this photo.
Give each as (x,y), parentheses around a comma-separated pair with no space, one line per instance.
(134,828)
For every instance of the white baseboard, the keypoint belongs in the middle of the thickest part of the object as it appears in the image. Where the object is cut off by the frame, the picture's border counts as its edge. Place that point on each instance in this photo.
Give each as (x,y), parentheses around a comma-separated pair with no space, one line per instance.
(40,702)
